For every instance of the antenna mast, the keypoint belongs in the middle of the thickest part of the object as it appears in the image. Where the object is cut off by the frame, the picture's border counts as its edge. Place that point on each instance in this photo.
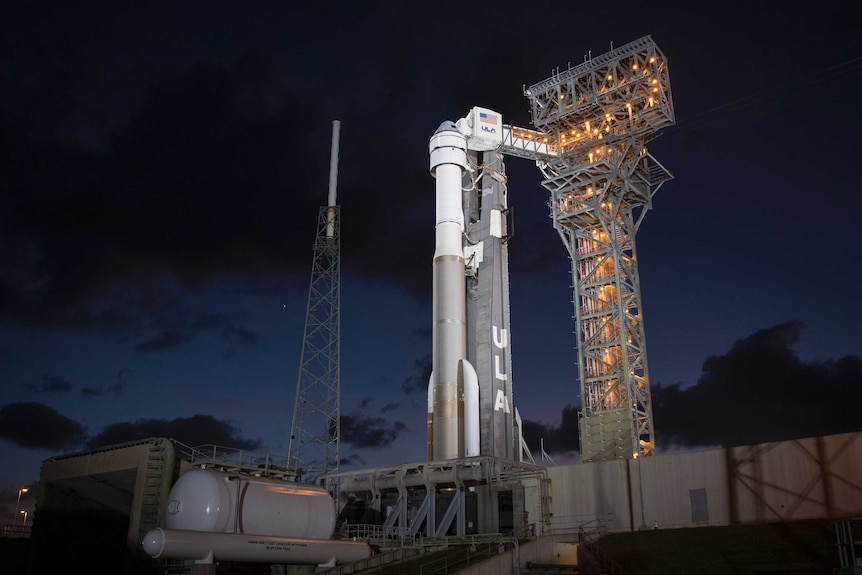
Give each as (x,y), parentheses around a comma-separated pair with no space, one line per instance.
(316,431)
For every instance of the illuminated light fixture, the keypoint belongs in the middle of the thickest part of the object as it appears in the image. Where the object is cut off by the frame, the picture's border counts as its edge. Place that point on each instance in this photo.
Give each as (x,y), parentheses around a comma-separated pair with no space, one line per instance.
(610,77)
(634,66)
(652,60)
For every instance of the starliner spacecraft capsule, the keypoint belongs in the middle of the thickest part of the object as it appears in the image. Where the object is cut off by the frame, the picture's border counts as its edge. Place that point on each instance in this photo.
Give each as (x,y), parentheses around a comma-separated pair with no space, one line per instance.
(453,390)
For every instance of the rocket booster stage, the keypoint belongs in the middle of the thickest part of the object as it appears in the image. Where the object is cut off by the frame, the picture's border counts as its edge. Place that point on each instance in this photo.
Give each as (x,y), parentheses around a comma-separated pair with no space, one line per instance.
(453,394)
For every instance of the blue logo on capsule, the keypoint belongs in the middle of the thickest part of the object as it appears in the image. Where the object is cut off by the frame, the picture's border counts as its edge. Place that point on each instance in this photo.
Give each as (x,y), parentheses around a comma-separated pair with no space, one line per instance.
(489,130)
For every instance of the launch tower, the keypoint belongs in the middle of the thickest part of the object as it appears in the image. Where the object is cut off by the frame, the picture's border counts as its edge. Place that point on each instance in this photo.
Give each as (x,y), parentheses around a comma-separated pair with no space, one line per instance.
(600,116)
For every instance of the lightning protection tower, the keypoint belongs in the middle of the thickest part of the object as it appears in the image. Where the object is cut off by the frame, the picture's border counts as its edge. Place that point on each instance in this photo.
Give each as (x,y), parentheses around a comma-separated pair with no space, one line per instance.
(315,431)
(600,115)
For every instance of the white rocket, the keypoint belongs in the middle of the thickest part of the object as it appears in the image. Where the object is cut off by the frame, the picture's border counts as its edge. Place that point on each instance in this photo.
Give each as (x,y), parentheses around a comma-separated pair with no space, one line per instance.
(453,391)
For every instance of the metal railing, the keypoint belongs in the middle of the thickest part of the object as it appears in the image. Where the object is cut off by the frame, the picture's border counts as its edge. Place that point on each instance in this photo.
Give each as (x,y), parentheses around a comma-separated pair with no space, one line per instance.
(15,531)
(384,536)
(469,551)
(375,561)
(588,534)
(234,460)
(452,553)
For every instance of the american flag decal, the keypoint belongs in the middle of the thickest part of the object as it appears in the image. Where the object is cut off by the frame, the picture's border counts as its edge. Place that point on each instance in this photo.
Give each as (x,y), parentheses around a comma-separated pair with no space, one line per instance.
(491,119)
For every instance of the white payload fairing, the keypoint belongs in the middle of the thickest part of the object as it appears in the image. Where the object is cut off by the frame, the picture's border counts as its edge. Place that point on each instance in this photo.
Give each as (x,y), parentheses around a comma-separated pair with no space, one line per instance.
(453,390)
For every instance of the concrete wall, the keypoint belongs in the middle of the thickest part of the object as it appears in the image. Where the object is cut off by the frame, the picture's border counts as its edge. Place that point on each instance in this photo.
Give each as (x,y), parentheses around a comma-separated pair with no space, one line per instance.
(667,483)
(819,477)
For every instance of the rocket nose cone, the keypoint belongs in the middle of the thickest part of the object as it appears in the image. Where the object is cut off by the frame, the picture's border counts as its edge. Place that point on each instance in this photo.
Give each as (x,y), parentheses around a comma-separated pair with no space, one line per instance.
(154,542)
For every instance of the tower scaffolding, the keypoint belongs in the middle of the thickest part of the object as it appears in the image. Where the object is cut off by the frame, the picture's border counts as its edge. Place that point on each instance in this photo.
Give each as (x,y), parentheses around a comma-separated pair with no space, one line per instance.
(598,116)
(315,429)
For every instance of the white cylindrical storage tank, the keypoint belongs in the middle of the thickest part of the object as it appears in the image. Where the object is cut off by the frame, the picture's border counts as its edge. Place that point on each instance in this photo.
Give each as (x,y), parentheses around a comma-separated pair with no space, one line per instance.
(205,500)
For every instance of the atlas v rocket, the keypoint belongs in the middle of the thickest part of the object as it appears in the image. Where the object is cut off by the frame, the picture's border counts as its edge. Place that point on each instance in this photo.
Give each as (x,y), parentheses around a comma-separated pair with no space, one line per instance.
(456,418)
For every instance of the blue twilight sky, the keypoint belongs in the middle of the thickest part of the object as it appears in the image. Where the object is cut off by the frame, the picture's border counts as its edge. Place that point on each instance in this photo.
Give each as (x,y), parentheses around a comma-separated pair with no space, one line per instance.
(162,165)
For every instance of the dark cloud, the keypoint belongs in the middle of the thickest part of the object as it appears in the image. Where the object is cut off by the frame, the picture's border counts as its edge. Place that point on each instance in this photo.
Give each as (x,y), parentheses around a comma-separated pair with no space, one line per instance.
(241,335)
(562,438)
(36,426)
(352,459)
(167,339)
(211,322)
(52,384)
(115,389)
(217,175)
(194,188)
(760,391)
(175,337)
(5,359)
(192,431)
(417,382)
(363,431)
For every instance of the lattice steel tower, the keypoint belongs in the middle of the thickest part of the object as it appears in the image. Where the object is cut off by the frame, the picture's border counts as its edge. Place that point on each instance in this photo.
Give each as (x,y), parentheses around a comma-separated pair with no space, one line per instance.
(599,115)
(315,431)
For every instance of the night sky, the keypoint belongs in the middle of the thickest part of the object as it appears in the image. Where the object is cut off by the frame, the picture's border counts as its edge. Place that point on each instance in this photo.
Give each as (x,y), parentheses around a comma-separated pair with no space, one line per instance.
(162,167)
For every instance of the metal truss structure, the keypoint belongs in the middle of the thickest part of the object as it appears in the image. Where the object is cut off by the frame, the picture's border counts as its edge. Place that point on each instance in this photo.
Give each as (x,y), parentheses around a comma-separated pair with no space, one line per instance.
(594,122)
(315,434)
(457,497)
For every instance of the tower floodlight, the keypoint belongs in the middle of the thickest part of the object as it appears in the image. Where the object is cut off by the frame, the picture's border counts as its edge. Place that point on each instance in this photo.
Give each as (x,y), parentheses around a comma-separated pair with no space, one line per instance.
(597,118)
